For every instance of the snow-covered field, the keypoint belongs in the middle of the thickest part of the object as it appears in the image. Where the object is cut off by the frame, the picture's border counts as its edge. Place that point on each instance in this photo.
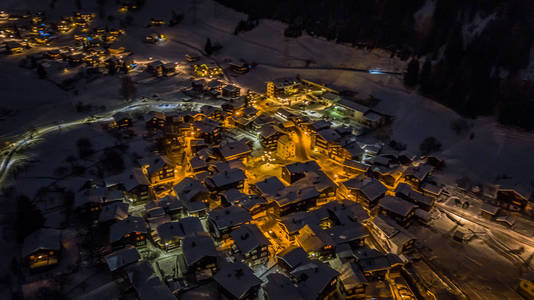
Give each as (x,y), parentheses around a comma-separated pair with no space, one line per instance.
(493,150)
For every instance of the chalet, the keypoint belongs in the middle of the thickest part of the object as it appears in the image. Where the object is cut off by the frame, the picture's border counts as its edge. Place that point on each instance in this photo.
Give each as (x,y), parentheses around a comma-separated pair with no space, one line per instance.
(233,106)
(222,221)
(14,47)
(212,112)
(352,282)
(279,286)
(345,212)
(231,91)
(526,285)
(422,216)
(169,235)
(199,84)
(245,118)
(155,68)
(268,187)
(315,280)
(513,197)
(354,167)
(295,197)
(193,195)
(227,179)
(157,169)
(362,189)
(250,244)
(295,171)
(172,206)
(313,128)
(198,164)
(130,231)
(119,259)
(155,120)
(215,87)
(221,166)
(122,119)
(356,110)
(391,235)
(398,209)
(134,184)
(374,264)
(350,233)
(200,255)
(431,190)
(255,205)
(284,114)
(291,258)
(316,242)
(374,119)
(232,197)
(195,145)
(404,191)
(89,202)
(281,88)
(234,150)
(324,140)
(346,149)
(292,223)
(286,148)
(269,136)
(321,182)
(155,216)
(416,175)
(389,175)
(42,248)
(237,281)
(113,212)
(145,283)
(489,211)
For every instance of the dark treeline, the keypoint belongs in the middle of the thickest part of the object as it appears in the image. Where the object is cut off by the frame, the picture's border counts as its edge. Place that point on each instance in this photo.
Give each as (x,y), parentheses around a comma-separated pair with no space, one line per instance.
(476,77)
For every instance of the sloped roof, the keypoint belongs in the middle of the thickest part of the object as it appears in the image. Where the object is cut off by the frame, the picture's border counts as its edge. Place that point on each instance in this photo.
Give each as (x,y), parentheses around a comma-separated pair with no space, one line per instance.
(397,205)
(249,237)
(121,258)
(128,225)
(313,278)
(280,286)
(42,239)
(237,278)
(197,247)
(229,216)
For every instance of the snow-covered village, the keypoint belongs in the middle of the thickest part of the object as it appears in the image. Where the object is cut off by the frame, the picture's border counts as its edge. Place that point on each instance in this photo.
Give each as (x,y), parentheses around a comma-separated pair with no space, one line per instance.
(202,149)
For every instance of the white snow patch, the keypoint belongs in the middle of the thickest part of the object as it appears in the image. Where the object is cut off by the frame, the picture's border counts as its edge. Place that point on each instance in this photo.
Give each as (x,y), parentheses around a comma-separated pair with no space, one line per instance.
(423,17)
(473,29)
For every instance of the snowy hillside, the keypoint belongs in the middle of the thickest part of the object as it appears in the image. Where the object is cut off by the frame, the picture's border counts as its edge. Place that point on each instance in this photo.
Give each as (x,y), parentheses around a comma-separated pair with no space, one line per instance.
(493,150)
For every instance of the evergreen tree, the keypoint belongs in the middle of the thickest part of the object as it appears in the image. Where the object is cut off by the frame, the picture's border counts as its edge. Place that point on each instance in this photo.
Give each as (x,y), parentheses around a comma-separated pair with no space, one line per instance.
(412,73)
(41,72)
(208,48)
(425,76)
(29,218)
(127,89)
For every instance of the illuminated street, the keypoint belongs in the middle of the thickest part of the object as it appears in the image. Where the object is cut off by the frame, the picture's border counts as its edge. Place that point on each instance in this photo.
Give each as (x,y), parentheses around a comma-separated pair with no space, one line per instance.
(221,149)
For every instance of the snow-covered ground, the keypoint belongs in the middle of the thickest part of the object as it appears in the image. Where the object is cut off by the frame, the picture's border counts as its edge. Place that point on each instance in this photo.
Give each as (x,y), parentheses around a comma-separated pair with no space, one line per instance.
(494,150)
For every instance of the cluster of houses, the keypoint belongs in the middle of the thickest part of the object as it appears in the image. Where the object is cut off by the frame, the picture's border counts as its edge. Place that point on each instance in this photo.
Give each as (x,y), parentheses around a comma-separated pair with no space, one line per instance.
(19,32)
(189,198)
(90,51)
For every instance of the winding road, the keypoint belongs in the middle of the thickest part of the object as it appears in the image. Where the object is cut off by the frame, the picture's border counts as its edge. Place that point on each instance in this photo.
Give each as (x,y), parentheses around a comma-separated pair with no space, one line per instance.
(8,156)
